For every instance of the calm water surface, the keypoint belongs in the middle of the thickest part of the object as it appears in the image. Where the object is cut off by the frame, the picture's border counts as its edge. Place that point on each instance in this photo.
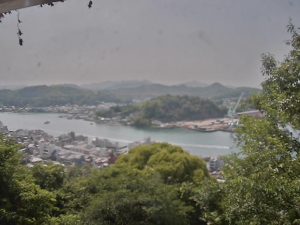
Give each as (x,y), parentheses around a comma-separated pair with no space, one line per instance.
(197,143)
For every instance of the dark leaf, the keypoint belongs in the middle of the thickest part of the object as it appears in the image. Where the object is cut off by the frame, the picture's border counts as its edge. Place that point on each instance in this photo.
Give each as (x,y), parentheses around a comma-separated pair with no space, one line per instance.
(20,41)
(90,4)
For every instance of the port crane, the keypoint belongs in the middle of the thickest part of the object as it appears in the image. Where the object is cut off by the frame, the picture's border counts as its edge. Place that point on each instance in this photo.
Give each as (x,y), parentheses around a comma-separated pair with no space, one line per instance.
(232,110)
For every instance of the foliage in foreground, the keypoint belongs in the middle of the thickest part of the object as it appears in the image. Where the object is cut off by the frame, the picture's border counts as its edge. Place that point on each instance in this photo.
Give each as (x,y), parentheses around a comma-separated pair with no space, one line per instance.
(151,185)
(263,181)
(22,201)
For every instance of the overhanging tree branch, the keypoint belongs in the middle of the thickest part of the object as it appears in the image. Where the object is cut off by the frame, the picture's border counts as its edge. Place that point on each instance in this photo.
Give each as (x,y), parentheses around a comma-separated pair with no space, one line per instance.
(6,6)
(9,5)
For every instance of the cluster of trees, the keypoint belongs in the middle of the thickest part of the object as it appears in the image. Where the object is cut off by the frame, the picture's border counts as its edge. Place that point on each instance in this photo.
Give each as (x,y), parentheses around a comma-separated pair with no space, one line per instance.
(22,200)
(262,181)
(175,108)
(168,108)
(41,96)
(151,185)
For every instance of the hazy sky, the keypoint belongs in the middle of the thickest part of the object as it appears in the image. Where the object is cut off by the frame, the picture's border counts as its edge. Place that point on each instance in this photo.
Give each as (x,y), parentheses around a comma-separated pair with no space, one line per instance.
(167,41)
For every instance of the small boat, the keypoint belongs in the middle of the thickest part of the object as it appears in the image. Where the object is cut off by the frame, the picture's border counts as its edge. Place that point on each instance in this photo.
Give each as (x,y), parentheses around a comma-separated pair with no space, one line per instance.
(46,122)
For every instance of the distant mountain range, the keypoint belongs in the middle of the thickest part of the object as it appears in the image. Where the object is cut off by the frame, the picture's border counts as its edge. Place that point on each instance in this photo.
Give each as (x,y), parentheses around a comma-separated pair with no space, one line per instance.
(195,84)
(112,85)
(120,91)
(41,96)
(144,90)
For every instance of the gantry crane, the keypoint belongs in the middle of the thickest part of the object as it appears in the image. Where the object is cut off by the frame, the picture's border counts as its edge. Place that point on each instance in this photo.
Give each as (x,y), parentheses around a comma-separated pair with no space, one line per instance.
(232,110)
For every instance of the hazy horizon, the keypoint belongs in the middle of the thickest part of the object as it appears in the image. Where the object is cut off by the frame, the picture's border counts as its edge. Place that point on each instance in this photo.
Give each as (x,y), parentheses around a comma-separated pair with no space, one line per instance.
(164,41)
(83,85)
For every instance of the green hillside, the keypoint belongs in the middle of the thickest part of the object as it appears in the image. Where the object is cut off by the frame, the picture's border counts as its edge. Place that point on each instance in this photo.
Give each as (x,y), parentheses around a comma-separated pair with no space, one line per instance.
(167,109)
(39,96)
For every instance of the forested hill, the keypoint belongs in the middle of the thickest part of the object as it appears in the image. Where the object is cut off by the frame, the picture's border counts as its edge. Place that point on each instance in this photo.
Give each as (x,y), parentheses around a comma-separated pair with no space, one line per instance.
(168,108)
(40,96)
(144,90)
(176,108)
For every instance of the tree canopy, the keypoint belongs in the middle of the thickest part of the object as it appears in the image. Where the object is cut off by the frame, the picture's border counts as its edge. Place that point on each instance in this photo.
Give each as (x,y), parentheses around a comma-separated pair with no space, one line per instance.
(151,185)
(262,181)
(22,201)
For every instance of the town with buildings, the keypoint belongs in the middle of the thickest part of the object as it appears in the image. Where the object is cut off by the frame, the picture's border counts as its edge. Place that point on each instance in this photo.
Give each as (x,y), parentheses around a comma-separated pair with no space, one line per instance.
(67,149)
(70,149)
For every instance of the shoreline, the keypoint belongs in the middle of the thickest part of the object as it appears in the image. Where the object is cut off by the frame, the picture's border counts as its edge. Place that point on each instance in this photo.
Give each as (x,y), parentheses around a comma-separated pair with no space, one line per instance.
(202,141)
(204,126)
